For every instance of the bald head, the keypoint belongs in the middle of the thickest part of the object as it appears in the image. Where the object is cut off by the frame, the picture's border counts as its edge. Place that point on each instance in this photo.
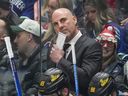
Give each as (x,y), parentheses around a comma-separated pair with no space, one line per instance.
(63,11)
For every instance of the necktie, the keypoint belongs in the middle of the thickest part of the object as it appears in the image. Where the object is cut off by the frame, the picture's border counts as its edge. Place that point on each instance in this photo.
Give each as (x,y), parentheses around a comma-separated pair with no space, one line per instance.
(66,46)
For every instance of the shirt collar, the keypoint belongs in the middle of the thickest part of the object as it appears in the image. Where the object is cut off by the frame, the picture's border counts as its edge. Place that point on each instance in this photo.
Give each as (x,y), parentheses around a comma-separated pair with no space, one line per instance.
(74,40)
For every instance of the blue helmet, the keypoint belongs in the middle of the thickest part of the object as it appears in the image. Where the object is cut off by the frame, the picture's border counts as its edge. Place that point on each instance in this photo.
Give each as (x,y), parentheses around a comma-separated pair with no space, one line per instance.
(52,81)
(102,84)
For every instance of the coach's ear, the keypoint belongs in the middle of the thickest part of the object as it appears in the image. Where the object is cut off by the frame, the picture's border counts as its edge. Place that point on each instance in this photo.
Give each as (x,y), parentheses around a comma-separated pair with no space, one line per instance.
(75,19)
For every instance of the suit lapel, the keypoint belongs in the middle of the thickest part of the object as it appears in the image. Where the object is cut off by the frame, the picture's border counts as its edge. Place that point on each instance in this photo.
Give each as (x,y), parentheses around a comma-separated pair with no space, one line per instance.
(80,41)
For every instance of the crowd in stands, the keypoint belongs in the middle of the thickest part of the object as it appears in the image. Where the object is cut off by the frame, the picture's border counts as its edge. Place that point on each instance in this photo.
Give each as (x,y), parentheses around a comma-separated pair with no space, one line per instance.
(91,62)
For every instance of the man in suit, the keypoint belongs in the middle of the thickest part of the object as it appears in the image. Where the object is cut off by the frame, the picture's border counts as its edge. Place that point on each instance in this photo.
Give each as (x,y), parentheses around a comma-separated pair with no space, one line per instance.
(88,51)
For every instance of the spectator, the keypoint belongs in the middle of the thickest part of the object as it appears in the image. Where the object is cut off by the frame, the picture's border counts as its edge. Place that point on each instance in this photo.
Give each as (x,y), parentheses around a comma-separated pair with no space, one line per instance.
(23,8)
(97,14)
(3,33)
(79,12)
(110,65)
(7,86)
(123,9)
(88,51)
(28,41)
(108,46)
(5,12)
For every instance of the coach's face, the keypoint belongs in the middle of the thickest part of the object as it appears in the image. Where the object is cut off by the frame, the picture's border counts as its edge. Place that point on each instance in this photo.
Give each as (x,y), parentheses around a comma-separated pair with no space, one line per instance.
(63,21)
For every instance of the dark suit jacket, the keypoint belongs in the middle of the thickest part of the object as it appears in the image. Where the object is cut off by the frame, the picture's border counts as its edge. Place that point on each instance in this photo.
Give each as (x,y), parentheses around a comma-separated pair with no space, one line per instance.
(88,61)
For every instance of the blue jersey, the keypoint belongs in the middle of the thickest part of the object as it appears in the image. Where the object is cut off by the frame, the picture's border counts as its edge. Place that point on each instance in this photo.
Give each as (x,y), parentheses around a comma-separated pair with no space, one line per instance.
(121,35)
(23,8)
